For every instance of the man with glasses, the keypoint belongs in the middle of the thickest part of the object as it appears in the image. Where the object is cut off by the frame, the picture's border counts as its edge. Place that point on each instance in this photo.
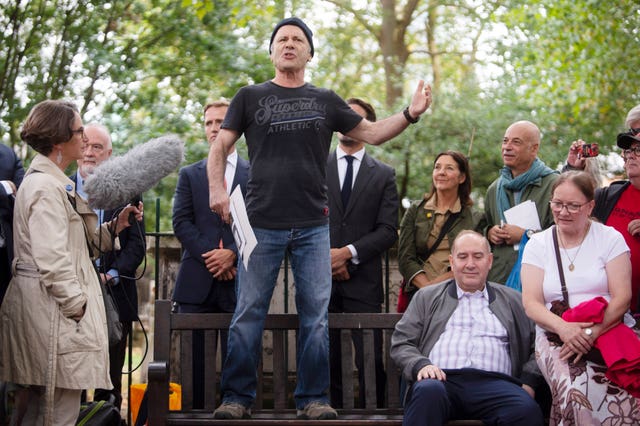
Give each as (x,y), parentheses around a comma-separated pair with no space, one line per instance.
(618,205)
(117,268)
(524,177)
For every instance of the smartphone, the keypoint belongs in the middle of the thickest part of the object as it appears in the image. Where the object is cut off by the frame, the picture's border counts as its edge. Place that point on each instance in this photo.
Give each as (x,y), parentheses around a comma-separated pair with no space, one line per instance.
(590,150)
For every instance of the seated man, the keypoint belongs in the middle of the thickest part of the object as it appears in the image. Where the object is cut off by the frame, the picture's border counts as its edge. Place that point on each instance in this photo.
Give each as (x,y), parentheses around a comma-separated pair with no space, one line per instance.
(453,347)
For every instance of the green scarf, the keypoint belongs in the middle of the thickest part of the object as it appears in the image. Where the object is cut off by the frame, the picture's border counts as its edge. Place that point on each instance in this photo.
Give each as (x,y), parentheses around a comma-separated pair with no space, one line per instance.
(536,172)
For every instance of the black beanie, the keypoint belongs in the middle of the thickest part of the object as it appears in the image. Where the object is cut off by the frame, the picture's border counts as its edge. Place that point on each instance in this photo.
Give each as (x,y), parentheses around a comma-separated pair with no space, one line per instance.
(298,23)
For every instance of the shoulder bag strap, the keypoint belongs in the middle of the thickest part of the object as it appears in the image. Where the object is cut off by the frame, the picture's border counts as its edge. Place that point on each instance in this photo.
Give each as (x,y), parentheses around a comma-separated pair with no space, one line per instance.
(445,228)
(84,225)
(565,294)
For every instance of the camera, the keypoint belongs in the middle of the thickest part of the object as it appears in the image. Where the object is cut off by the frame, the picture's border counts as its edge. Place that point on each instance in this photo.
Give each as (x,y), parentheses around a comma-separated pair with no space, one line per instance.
(590,150)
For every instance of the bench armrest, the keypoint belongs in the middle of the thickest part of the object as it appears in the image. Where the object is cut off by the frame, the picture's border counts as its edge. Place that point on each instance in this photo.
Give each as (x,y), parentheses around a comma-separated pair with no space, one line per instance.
(158,392)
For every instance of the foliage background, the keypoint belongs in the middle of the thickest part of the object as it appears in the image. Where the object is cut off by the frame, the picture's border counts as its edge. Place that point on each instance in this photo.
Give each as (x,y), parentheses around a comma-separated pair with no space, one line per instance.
(147,67)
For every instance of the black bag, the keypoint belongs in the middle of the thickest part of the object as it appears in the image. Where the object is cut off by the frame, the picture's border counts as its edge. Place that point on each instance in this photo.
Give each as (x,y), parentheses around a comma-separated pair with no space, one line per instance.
(99,413)
(559,306)
(114,326)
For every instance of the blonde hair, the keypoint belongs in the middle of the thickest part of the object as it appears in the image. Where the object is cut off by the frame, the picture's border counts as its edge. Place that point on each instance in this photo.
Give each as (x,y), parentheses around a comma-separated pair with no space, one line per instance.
(222,102)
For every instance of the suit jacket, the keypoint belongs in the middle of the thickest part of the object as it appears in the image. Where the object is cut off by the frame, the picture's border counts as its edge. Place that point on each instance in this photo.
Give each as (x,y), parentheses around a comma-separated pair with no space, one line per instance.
(10,165)
(125,261)
(10,169)
(199,229)
(369,222)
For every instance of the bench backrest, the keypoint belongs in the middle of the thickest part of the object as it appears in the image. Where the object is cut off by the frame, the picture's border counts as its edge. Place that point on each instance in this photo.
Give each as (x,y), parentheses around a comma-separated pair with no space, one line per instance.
(275,384)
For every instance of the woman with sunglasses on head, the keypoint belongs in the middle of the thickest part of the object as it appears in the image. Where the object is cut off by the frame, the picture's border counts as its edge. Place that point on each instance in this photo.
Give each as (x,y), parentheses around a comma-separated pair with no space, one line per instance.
(53,330)
(618,205)
(592,262)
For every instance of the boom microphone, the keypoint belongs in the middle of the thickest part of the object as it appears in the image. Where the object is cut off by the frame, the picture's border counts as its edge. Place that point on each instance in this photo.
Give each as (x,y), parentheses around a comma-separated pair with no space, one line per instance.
(120,179)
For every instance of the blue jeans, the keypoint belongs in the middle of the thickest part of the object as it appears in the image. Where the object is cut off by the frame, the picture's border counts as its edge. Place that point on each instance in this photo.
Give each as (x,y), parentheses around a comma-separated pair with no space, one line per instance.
(309,252)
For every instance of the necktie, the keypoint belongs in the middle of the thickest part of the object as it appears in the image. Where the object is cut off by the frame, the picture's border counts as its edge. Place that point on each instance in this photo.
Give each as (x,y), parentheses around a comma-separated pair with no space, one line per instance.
(348,181)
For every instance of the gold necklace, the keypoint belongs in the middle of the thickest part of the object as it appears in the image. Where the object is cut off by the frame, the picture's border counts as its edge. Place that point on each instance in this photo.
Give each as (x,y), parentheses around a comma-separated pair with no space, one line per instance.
(571,265)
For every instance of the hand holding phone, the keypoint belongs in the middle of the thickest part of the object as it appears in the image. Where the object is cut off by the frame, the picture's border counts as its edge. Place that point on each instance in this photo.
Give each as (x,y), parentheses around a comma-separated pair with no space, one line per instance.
(589,150)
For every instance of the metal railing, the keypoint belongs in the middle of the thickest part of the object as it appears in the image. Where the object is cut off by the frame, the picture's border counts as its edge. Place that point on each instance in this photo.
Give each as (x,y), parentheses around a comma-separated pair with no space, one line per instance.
(161,291)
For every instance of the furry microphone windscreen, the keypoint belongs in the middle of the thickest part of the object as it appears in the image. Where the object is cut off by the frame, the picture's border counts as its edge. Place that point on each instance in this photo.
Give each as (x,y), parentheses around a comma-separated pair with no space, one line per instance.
(118,180)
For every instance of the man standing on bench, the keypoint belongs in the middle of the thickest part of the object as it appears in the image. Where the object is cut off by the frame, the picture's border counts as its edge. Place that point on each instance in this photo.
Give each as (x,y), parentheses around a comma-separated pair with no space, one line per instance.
(453,346)
(288,125)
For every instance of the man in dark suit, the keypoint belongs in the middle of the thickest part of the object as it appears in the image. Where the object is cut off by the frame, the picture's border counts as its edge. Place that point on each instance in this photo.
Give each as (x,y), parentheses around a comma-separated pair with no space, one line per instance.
(207,274)
(11,174)
(117,268)
(363,216)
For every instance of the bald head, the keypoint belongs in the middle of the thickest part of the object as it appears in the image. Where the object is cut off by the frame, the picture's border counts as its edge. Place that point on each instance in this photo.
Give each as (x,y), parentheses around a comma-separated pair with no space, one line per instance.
(520,146)
(528,129)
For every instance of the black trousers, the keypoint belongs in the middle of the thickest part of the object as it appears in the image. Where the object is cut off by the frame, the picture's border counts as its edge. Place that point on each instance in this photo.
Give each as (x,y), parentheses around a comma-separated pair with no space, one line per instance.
(221,299)
(338,304)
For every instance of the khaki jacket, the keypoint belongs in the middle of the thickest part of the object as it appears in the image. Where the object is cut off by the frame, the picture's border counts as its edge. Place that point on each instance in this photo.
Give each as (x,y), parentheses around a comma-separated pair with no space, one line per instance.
(53,279)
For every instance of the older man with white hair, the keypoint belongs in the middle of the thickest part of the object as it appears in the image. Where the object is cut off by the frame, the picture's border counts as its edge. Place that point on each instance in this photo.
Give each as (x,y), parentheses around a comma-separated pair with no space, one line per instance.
(117,268)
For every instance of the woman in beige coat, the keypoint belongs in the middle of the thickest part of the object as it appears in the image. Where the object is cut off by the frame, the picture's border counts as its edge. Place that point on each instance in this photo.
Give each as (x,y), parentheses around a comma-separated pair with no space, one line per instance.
(53,331)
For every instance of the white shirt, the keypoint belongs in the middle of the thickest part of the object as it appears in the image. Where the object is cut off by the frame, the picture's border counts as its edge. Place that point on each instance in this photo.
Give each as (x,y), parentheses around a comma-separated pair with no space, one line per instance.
(589,276)
(342,171)
(473,337)
(342,164)
(7,188)
(80,190)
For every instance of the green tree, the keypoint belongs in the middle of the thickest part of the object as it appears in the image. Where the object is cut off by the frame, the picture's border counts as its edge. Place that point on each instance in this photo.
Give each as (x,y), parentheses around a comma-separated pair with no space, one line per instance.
(147,67)
(141,67)
(576,63)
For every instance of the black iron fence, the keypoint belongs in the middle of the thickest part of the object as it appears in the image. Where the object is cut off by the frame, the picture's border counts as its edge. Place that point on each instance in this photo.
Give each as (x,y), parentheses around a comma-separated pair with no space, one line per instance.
(162,290)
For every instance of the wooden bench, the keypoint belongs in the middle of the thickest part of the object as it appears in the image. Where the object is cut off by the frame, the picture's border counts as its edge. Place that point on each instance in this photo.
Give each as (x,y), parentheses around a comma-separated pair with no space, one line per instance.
(274,401)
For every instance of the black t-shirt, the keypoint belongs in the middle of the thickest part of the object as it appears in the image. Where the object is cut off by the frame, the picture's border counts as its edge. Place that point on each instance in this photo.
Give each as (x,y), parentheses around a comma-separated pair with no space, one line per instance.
(288,133)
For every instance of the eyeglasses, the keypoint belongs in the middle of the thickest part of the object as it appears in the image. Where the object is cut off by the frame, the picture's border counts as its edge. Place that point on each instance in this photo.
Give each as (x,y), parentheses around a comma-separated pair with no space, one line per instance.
(635,150)
(80,131)
(557,206)
(634,131)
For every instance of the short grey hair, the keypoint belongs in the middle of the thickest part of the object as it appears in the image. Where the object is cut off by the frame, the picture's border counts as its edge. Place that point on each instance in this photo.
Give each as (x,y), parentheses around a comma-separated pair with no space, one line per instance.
(102,129)
(632,116)
(473,233)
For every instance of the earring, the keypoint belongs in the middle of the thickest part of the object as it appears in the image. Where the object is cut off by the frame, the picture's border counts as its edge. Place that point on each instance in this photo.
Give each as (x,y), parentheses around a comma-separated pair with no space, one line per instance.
(59,157)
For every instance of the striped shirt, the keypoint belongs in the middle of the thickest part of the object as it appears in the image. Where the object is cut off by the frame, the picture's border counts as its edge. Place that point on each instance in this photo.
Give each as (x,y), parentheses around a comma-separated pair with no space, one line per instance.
(473,337)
